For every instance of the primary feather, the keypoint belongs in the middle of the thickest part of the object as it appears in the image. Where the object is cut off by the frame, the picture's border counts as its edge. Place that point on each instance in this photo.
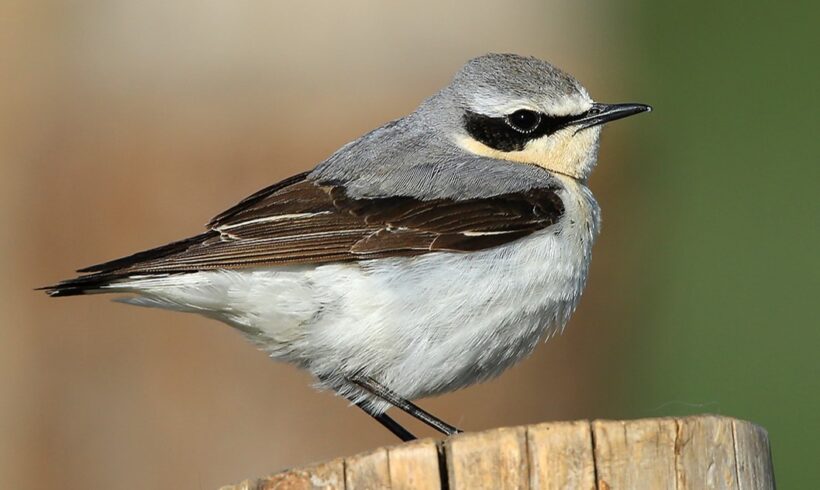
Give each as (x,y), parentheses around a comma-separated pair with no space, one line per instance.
(299,221)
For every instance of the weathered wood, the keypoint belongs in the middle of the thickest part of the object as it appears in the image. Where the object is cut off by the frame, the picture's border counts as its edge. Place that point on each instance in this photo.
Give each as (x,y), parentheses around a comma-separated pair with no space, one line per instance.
(636,454)
(414,465)
(705,453)
(323,476)
(367,471)
(702,452)
(492,459)
(560,456)
(753,456)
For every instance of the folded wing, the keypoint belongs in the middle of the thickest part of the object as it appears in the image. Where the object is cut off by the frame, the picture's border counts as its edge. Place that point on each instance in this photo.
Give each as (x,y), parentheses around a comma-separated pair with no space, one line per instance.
(299,221)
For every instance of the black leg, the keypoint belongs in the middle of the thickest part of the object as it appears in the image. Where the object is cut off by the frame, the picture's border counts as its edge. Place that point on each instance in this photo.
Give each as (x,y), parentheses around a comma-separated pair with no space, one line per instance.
(380,391)
(388,422)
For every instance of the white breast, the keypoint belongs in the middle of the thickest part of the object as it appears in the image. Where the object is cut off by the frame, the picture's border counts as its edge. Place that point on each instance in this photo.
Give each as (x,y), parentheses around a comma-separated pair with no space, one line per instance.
(421,325)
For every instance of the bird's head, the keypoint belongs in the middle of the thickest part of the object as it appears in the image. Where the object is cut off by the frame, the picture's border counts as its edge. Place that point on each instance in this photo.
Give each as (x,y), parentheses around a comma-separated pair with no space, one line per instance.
(525,110)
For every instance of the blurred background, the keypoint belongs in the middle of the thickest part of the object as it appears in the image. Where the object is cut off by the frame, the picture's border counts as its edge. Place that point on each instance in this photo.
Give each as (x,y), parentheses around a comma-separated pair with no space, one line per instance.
(124,125)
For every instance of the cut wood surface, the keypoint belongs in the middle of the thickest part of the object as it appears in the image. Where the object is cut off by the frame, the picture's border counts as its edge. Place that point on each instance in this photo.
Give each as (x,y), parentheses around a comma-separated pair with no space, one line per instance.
(700,452)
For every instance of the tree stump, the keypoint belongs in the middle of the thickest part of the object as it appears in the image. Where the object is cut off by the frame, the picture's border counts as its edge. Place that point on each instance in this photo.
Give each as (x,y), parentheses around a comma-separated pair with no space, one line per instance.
(697,453)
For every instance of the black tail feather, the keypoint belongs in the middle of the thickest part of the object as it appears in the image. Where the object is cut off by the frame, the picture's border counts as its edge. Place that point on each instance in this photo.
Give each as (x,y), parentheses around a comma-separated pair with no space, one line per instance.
(100,277)
(90,284)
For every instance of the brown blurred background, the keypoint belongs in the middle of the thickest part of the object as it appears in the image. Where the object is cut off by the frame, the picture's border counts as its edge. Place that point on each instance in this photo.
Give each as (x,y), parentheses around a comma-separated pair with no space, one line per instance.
(126,125)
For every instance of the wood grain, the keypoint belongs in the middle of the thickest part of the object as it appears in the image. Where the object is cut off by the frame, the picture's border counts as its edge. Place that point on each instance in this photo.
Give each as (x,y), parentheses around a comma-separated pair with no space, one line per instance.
(368,471)
(705,454)
(753,456)
(414,465)
(635,455)
(493,459)
(560,456)
(322,476)
(701,452)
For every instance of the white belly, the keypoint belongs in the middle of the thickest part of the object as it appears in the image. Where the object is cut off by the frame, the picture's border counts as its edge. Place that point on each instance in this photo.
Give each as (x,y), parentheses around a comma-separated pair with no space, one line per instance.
(421,325)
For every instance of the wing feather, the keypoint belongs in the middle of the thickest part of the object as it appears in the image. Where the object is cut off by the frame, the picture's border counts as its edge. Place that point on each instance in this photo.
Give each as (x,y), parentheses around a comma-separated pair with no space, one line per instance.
(299,221)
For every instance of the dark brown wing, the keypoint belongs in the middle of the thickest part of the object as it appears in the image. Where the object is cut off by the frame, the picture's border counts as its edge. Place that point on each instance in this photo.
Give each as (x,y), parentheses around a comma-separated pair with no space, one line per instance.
(301,222)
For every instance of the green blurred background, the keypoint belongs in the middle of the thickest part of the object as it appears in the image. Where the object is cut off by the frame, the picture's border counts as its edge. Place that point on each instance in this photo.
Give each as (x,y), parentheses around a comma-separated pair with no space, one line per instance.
(128,124)
(730,248)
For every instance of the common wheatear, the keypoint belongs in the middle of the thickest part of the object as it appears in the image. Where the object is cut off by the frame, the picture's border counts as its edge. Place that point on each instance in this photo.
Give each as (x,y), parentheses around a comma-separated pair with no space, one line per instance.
(430,254)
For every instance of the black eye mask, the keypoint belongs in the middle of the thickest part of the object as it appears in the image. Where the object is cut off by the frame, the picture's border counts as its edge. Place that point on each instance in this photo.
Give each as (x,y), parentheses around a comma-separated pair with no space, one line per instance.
(512,132)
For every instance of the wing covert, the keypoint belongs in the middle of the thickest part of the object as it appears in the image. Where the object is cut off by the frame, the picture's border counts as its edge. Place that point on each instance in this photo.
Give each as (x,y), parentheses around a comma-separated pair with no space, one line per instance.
(299,221)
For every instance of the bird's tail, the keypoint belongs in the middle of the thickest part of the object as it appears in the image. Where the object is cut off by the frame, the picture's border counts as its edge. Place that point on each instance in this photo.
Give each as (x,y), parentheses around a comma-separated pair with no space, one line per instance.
(119,275)
(90,284)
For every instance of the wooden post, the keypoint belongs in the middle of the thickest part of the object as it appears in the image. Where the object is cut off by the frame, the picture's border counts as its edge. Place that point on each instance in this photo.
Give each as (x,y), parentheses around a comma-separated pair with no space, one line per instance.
(697,453)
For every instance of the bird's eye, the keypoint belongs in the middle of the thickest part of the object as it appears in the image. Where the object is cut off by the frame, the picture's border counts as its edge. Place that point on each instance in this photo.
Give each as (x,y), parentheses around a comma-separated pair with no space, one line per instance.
(523,120)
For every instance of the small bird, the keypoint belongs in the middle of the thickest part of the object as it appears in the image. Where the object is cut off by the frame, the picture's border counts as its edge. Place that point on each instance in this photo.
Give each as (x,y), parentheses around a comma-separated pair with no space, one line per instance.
(428,255)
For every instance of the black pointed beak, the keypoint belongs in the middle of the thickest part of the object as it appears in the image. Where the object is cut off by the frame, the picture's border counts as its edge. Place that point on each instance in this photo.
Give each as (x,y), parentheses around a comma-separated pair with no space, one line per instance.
(604,113)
